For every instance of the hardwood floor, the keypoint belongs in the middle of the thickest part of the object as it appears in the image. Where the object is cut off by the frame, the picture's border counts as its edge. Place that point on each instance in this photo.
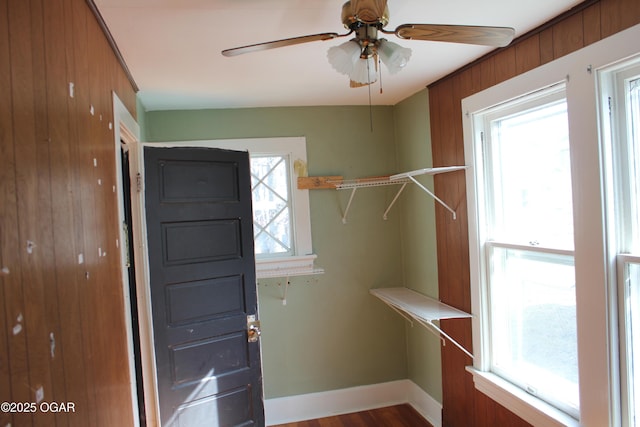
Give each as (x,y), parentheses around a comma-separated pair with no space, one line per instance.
(393,416)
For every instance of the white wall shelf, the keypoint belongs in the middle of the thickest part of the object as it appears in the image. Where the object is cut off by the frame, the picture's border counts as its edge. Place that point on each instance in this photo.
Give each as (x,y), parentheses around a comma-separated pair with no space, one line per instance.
(398,179)
(423,309)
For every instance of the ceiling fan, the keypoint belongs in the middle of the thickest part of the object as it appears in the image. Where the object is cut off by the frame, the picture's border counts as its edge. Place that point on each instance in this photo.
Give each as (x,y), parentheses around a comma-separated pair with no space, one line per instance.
(358,58)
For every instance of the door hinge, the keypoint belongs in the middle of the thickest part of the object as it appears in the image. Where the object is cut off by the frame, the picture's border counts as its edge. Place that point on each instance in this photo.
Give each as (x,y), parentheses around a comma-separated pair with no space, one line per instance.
(138,182)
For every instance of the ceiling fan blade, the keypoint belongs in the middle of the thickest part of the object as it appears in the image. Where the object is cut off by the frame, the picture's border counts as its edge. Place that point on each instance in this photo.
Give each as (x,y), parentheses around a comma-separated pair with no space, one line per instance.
(486,36)
(368,11)
(280,43)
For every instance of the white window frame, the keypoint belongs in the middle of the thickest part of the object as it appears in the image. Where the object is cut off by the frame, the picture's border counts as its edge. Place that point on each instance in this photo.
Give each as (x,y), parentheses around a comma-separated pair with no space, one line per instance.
(622,247)
(595,295)
(295,148)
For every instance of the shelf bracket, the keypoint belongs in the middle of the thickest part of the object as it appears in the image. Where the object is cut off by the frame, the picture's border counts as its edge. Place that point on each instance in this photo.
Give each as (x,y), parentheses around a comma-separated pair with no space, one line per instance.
(402,313)
(286,289)
(431,327)
(384,216)
(425,189)
(346,211)
(451,340)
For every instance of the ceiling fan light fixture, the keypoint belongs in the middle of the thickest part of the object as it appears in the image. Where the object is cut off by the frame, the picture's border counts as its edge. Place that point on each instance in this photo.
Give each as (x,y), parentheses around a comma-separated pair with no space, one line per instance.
(393,56)
(344,56)
(364,71)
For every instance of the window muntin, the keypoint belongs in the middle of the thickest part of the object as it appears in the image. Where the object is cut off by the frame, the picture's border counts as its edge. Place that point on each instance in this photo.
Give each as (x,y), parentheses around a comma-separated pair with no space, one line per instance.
(272,207)
(525,175)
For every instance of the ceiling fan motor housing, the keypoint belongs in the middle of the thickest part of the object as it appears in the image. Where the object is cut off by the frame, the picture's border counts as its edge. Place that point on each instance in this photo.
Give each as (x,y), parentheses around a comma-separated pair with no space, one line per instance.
(353,18)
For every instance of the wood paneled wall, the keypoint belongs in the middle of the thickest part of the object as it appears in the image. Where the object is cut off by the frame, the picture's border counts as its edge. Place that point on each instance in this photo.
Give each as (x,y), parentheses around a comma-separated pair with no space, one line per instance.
(583,25)
(62,324)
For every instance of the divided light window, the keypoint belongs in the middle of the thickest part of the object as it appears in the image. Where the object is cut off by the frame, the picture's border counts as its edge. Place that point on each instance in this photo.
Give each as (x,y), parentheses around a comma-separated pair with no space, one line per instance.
(526,243)
(271,205)
(281,212)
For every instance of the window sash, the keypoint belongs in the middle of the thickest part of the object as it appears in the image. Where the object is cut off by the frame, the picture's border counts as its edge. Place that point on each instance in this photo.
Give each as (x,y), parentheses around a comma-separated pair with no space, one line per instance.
(628,274)
(621,104)
(493,239)
(498,172)
(273,218)
(519,297)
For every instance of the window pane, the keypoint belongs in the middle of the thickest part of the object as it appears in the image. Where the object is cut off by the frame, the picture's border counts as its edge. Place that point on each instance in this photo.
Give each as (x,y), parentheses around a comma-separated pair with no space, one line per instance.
(271,205)
(533,324)
(632,280)
(634,160)
(531,177)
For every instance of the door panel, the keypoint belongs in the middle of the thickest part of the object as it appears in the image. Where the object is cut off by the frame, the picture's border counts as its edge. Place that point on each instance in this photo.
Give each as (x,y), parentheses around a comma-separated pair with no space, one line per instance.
(201,241)
(203,286)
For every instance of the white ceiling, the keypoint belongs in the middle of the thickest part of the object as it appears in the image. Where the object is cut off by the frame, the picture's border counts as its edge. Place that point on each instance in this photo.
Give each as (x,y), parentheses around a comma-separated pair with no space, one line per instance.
(172,48)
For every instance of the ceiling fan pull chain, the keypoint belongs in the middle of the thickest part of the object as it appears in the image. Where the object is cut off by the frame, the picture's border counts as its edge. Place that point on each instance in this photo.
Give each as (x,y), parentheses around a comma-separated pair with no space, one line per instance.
(380,73)
(369,90)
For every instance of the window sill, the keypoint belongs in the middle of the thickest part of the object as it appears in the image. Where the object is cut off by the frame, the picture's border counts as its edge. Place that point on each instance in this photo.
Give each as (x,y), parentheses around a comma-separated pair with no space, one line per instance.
(526,406)
(287,267)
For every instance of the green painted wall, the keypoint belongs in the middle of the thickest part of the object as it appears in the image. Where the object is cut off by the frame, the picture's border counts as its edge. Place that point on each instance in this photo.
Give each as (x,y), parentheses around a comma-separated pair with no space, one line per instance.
(331,334)
(413,150)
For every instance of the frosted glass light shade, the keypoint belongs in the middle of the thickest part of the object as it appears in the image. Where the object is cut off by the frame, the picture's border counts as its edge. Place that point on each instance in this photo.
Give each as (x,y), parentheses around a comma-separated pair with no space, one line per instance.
(394,56)
(343,57)
(364,71)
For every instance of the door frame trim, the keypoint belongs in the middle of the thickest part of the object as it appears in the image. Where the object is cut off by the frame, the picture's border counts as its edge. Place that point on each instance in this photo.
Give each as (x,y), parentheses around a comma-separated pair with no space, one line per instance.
(126,129)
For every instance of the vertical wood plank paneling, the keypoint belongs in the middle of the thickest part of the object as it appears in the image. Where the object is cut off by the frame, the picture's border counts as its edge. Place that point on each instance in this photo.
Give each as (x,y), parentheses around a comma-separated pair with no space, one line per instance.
(56,119)
(93,220)
(505,64)
(5,376)
(462,404)
(618,14)
(78,386)
(81,118)
(8,224)
(568,36)
(60,288)
(447,153)
(487,73)
(115,401)
(116,370)
(25,26)
(14,373)
(546,46)
(591,21)
(43,254)
(57,28)
(7,204)
(528,54)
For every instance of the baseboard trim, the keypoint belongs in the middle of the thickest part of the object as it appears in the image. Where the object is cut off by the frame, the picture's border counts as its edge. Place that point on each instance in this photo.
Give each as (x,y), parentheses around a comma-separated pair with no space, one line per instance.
(291,409)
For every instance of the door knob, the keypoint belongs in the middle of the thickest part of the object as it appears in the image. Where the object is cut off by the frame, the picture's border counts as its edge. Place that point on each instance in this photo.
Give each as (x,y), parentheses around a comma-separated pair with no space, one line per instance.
(253,329)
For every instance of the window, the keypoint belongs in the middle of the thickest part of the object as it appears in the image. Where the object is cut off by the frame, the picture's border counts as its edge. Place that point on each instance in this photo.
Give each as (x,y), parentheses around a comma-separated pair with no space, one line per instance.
(272,210)
(527,246)
(621,105)
(568,264)
(281,214)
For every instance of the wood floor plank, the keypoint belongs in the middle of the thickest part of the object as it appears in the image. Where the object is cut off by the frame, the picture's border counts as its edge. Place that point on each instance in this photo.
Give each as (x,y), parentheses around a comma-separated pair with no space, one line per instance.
(392,416)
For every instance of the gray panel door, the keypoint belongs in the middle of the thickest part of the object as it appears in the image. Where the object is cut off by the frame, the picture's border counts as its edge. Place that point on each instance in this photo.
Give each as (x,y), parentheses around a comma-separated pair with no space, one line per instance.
(203,286)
